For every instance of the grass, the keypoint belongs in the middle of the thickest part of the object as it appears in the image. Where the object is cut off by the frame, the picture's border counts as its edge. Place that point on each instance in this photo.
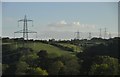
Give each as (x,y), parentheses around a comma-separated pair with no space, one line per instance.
(76,48)
(37,46)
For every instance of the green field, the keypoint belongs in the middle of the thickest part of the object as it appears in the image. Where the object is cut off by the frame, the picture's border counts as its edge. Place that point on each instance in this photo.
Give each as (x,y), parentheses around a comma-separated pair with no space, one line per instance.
(37,46)
(76,48)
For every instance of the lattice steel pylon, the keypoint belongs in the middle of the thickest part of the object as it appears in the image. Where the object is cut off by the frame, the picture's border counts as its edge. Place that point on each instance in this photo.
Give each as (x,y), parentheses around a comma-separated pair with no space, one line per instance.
(77,35)
(90,35)
(105,33)
(25,30)
(100,35)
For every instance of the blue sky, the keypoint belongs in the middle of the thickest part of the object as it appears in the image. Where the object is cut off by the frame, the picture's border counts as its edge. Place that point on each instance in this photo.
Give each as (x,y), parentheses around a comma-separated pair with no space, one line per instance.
(60,20)
(60,0)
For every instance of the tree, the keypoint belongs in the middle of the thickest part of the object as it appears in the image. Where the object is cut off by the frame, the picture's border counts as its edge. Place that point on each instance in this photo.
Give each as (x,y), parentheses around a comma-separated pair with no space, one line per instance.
(119,69)
(104,65)
(55,68)
(21,68)
(71,65)
(42,53)
(43,59)
(4,67)
(30,59)
(101,69)
(36,71)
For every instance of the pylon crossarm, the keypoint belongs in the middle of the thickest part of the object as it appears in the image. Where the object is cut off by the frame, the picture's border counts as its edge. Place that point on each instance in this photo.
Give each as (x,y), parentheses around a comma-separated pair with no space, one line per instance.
(21,31)
(30,20)
(20,20)
(29,31)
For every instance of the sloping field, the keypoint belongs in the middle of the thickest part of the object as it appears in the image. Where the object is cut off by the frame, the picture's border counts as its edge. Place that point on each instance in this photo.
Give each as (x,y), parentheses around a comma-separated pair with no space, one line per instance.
(51,49)
(37,46)
(76,48)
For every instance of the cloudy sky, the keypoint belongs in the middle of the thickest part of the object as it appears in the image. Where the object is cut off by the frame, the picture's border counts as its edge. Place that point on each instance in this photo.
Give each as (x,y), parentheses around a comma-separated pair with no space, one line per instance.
(60,20)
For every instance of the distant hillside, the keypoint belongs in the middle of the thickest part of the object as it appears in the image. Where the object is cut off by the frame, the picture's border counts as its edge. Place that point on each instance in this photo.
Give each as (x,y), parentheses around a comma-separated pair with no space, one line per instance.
(37,46)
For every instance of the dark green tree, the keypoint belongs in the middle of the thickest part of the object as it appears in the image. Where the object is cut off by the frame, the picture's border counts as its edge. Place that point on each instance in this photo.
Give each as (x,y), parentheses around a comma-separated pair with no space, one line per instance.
(55,68)
(104,65)
(36,71)
(21,68)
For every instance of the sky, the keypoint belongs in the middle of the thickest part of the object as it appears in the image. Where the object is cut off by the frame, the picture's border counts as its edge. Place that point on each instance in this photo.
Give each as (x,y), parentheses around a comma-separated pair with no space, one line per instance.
(60,0)
(60,20)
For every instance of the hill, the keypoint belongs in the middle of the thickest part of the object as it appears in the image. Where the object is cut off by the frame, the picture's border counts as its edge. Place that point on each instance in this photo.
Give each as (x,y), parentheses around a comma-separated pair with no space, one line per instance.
(37,46)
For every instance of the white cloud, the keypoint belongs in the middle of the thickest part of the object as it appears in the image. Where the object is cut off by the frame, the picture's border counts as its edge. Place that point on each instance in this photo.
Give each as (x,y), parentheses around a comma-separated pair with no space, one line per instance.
(76,23)
(62,22)
(71,26)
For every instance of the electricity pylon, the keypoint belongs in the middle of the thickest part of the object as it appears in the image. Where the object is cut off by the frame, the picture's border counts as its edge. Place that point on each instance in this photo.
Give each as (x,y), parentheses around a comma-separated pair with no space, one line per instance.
(100,35)
(110,35)
(105,33)
(77,35)
(90,35)
(25,30)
